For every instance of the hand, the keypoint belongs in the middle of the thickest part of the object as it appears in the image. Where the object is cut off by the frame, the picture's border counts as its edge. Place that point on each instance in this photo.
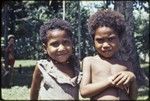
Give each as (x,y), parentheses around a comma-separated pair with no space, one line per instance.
(123,78)
(110,79)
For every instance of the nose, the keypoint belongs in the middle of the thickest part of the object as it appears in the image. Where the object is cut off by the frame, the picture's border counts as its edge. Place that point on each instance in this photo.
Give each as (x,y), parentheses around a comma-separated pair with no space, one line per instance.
(106,45)
(61,47)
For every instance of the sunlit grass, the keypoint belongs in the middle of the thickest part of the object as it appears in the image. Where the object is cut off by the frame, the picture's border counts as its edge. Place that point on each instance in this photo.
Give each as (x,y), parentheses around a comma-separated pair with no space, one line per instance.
(144,65)
(15,93)
(24,63)
(143,93)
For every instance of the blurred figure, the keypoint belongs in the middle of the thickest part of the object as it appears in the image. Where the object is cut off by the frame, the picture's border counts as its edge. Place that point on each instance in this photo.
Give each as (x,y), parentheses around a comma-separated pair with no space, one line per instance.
(10,60)
(10,51)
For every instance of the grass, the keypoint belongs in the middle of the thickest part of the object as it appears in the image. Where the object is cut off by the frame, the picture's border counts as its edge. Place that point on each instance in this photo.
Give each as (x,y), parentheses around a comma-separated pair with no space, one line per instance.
(143,91)
(24,63)
(21,81)
(23,77)
(15,93)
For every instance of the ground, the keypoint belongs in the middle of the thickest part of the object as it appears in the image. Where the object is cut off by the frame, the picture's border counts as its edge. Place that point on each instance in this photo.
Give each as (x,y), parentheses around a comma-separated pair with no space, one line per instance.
(23,77)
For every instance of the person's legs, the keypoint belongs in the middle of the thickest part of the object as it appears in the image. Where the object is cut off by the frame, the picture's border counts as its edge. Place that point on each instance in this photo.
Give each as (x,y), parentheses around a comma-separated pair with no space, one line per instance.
(3,70)
(11,70)
(5,74)
(8,70)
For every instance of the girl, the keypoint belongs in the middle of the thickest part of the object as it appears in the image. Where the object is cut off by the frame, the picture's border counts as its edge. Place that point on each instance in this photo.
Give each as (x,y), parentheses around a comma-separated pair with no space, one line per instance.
(56,77)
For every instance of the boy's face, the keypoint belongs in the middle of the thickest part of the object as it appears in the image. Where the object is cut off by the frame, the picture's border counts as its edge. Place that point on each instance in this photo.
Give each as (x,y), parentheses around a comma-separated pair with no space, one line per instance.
(59,45)
(106,41)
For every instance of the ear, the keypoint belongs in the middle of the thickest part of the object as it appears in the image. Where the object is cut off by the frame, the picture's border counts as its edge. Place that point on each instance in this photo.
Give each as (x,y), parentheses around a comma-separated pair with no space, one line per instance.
(44,48)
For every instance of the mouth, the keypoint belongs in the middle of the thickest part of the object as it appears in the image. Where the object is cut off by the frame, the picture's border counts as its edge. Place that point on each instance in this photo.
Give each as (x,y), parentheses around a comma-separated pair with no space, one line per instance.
(64,54)
(62,57)
(106,51)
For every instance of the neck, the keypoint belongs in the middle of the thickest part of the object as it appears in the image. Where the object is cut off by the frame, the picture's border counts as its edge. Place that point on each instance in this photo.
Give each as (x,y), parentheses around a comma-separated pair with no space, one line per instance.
(60,63)
(107,58)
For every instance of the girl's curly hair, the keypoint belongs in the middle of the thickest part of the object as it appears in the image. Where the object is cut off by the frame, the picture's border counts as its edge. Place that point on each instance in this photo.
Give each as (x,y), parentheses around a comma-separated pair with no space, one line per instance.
(54,24)
(108,18)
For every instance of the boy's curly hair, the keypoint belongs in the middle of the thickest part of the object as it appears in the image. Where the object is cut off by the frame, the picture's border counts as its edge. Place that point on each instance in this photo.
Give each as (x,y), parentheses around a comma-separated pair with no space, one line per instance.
(108,18)
(54,24)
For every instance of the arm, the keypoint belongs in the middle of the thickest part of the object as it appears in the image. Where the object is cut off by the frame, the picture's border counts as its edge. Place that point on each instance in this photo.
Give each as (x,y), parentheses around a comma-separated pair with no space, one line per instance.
(9,46)
(88,89)
(125,78)
(7,49)
(36,80)
(133,90)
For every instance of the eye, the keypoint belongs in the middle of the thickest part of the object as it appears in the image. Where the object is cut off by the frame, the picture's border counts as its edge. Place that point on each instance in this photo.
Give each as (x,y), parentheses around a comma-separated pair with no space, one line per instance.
(100,40)
(54,44)
(66,42)
(111,38)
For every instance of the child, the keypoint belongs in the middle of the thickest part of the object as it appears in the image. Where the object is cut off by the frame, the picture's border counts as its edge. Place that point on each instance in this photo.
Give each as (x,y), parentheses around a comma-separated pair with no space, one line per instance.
(104,76)
(57,77)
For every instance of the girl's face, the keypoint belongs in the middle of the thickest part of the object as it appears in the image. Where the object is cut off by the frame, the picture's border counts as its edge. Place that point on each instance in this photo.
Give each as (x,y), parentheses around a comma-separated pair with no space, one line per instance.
(106,41)
(59,45)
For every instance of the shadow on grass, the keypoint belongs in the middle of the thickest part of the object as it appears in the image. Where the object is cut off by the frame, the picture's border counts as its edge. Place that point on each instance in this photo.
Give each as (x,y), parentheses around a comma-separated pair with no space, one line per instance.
(143,93)
(146,70)
(21,77)
(145,66)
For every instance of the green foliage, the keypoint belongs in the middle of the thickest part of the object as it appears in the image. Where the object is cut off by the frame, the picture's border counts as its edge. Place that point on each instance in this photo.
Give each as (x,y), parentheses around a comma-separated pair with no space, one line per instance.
(34,14)
(72,15)
(26,17)
(142,27)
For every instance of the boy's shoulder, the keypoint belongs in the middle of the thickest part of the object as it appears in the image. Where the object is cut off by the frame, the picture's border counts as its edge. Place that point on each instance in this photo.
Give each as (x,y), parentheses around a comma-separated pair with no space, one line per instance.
(127,64)
(90,58)
(41,61)
(124,63)
(44,62)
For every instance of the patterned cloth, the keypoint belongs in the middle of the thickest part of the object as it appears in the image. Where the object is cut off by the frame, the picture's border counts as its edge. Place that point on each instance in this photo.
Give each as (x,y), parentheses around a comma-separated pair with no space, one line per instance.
(57,86)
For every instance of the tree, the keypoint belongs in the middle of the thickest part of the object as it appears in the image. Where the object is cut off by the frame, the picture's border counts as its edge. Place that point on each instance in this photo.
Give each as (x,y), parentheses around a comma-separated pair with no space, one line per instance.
(142,29)
(129,50)
(5,30)
(26,17)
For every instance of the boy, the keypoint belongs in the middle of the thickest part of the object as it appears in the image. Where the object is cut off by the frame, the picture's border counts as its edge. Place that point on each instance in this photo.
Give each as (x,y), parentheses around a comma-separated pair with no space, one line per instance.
(57,76)
(104,76)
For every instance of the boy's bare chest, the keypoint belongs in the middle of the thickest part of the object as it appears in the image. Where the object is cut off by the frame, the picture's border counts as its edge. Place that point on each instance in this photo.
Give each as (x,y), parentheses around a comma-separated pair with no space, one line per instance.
(101,70)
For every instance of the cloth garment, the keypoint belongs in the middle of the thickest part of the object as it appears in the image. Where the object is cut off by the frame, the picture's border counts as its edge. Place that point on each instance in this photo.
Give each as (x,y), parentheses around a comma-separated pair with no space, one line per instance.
(57,86)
